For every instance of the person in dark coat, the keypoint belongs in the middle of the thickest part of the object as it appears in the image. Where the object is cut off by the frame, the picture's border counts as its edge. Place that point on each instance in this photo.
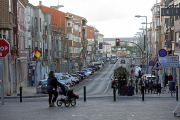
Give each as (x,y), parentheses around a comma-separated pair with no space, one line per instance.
(52,88)
(170,77)
(139,74)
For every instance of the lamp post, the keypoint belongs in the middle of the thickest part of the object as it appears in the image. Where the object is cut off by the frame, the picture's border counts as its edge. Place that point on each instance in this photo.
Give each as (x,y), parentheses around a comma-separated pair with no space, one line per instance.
(58,6)
(150,38)
(138,16)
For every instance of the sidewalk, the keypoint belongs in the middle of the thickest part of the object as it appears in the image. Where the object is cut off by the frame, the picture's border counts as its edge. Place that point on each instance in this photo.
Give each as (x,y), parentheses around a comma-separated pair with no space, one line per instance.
(26,93)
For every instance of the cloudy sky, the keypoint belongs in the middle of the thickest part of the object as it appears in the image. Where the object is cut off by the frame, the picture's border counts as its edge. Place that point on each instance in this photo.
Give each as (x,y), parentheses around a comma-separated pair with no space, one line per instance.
(113,18)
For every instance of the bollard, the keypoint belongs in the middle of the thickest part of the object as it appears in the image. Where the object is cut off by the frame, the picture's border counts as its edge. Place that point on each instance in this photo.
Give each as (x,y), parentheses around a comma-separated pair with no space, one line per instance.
(176,93)
(20,94)
(148,86)
(114,92)
(142,93)
(84,93)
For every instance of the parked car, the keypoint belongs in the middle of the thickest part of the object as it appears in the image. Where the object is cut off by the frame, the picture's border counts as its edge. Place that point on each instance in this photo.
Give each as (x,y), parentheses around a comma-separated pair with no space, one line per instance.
(65,79)
(84,73)
(42,86)
(78,77)
(74,79)
(102,62)
(113,61)
(81,76)
(88,71)
(93,67)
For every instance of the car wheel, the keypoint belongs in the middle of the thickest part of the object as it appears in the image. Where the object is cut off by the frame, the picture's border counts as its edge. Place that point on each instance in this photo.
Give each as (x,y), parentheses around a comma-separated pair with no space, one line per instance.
(73,83)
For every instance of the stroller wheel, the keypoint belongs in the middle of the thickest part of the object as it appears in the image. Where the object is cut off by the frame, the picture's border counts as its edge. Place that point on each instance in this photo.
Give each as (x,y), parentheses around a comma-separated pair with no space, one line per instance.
(73,102)
(66,103)
(59,103)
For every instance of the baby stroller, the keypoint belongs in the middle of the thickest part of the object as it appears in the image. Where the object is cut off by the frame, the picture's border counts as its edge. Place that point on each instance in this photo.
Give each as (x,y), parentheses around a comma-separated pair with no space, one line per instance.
(67,96)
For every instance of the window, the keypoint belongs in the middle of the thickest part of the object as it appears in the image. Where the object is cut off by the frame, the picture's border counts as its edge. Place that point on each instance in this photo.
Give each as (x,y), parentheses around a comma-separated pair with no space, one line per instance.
(10,6)
(40,24)
(35,24)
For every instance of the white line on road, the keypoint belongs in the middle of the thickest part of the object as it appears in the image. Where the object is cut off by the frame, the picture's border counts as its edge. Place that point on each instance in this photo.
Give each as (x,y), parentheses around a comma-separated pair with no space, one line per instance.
(107,86)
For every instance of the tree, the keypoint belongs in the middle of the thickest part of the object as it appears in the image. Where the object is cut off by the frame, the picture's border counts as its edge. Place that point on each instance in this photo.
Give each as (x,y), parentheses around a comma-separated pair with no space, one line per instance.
(122,75)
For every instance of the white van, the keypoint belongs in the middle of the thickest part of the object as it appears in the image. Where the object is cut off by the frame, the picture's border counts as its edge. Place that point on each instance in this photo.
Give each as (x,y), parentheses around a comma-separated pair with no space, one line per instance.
(137,71)
(98,64)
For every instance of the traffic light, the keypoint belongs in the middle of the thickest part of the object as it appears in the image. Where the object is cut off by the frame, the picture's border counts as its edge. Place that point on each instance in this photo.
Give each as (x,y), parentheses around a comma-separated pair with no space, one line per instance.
(117,42)
(101,45)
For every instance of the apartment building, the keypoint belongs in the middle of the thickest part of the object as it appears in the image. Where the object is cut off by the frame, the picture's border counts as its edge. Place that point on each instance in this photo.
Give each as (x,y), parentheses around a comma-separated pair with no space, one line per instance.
(106,49)
(13,30)
(155,31)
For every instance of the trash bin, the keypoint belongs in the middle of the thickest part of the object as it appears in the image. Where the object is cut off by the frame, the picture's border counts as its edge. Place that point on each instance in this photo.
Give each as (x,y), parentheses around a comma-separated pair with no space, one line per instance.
(171,86)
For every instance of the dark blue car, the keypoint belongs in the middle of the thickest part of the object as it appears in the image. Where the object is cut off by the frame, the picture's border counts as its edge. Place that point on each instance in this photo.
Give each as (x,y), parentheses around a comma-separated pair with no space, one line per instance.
(82,73)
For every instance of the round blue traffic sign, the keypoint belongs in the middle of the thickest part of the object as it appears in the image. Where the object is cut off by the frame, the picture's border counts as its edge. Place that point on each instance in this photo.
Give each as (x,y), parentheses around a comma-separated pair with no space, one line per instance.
(151,63)
(162,52)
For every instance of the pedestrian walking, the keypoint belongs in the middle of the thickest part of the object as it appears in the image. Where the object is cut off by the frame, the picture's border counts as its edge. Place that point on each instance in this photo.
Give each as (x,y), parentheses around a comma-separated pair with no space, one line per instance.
(52,88)
(170,77)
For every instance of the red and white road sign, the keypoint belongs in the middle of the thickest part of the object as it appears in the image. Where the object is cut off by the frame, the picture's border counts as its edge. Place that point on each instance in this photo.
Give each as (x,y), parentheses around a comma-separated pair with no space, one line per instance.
(76,64)
(143,60)
(4,48)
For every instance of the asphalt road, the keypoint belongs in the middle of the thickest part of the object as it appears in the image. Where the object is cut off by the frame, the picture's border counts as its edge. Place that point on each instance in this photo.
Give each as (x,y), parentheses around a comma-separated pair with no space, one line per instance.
(100,83)
(97,107)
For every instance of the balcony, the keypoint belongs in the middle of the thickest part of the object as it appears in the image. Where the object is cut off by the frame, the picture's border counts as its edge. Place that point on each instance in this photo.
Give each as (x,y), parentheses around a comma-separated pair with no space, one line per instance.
(7,22)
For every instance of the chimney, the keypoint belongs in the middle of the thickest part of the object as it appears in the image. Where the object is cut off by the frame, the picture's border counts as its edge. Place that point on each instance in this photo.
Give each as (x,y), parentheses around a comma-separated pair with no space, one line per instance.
(40,2)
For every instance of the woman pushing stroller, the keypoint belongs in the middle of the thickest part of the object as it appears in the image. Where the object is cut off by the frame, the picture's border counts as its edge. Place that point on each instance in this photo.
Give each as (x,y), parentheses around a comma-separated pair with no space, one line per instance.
(52,88)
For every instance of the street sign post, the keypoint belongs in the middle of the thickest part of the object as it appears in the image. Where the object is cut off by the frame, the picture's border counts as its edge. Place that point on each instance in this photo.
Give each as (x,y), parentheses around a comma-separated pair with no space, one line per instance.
(151,63)
(4,48)
(157,65)
(76,64)
(143,60)
(162,52)
(4,51)
(169,61)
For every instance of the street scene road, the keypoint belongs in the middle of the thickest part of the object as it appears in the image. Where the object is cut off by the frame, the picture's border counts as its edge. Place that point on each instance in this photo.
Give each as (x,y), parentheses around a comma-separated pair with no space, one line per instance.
(99,103)
(80,59)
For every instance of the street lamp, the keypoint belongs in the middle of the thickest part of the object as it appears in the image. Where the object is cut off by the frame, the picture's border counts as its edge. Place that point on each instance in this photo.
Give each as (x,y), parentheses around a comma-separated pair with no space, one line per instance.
(58,6)
(138,16)
(150,36)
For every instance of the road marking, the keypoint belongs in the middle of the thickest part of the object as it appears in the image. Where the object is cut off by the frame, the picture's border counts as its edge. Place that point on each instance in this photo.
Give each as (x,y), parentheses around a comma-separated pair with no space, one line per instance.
(107,86)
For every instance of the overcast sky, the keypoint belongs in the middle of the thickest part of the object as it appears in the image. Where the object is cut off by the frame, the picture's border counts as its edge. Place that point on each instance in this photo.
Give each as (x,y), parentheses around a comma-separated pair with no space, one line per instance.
(113,18)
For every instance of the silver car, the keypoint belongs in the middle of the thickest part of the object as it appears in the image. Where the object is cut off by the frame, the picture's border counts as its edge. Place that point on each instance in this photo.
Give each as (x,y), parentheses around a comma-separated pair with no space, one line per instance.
(88,71)
(42,86)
